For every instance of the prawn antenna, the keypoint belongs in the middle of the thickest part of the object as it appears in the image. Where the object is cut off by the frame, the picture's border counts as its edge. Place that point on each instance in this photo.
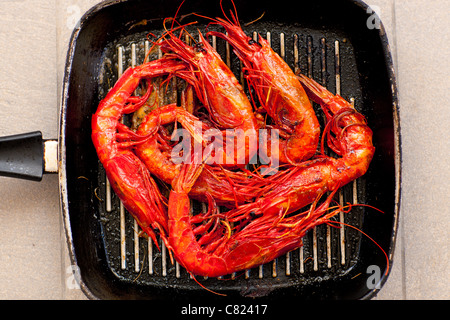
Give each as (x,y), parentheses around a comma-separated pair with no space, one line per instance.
(331,222)
(234,16)
(209,290)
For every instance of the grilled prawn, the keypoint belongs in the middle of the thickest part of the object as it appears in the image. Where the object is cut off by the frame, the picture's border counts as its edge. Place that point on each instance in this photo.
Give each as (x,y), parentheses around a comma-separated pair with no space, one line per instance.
(279,92)
(220,92)
(256,233)
(113,142)
(225,186)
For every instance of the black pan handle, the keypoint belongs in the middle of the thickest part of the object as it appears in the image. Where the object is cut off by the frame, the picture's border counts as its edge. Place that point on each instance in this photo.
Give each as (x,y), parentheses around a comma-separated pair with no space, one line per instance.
(27,156)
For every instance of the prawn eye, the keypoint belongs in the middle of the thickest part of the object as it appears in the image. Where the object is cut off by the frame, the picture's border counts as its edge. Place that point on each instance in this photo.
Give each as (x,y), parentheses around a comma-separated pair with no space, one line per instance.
(251,42)
(199,47)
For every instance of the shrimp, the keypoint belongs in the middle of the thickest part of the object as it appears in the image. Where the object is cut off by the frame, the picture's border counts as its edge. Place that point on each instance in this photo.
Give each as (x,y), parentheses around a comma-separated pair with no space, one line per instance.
(278,90)
(158,156)
(220,92)
(348,135)
(156,153)
(207,245)
(113,142)
(258,232)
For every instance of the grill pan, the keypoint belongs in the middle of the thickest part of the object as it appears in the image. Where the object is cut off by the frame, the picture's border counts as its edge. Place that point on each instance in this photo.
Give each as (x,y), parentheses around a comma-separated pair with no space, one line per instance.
(327,40)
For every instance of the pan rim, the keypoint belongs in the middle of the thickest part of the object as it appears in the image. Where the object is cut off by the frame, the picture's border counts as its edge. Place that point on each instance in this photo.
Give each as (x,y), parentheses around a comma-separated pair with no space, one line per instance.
(62,173)
(397,147)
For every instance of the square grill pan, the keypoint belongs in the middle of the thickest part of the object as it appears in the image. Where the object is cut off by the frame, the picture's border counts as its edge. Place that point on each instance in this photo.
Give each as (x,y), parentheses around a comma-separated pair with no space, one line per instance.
(326,40)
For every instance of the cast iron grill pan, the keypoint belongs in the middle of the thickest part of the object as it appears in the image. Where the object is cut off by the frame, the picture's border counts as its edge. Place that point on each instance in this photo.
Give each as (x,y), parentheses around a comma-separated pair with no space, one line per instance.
(325,40)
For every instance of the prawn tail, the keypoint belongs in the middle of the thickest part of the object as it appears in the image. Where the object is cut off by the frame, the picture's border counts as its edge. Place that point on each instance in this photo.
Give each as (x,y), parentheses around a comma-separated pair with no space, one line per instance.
(316,92)
(329,102)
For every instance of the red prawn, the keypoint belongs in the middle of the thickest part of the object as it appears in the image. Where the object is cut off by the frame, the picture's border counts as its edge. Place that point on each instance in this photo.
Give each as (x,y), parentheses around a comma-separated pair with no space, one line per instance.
(113,141)
(278,90)
(220,92)
(225,186)
(270,226)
